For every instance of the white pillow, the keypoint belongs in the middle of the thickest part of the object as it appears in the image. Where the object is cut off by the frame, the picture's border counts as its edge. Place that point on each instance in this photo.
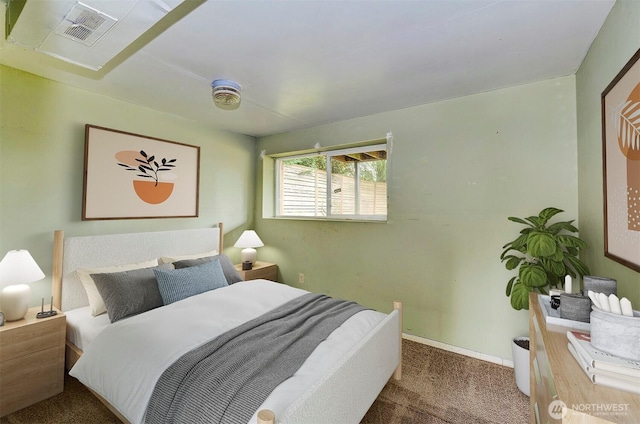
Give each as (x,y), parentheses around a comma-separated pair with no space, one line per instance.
(95,300)
(172,259)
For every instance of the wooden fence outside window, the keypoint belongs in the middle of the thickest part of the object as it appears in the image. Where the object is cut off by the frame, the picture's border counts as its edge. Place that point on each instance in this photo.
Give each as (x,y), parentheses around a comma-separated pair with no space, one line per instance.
(303,192)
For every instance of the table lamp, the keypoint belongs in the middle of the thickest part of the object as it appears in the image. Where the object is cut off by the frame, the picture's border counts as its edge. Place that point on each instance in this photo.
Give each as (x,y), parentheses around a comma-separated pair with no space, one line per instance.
(248,241)
(17,269)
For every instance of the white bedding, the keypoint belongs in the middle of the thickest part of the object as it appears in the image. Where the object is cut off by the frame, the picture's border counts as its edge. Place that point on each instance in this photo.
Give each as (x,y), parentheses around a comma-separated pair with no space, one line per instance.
(125,360)
(82,327)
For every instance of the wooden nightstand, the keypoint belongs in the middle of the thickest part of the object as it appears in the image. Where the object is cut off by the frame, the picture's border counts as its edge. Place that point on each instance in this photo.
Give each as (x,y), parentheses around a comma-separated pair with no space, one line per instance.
(260,270)
(31,360)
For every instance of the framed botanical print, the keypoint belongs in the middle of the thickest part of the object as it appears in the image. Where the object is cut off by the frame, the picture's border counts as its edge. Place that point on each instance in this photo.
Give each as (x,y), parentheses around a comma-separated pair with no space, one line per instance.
(134,176)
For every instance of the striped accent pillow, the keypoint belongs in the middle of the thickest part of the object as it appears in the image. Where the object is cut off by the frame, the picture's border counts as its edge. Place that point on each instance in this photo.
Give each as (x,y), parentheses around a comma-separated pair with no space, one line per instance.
(178,284)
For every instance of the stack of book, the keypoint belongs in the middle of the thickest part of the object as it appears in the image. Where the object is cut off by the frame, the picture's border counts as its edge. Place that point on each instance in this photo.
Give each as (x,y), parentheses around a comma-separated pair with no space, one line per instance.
(602,368)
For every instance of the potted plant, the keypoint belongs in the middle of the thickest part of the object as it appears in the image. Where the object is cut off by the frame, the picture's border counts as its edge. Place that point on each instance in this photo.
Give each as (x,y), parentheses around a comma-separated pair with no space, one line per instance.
(543,254)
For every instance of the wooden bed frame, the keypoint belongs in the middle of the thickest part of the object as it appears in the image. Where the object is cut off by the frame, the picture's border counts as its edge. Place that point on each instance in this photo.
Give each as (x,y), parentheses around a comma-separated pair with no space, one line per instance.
(353,373)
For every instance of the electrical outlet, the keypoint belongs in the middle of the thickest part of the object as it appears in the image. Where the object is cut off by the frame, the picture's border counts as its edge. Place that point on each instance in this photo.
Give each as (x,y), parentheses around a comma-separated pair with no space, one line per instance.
(301,278)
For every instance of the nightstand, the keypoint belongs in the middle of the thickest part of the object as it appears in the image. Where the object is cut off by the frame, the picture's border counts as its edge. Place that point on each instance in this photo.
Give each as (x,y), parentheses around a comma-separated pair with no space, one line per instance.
(31,360)
(260,270)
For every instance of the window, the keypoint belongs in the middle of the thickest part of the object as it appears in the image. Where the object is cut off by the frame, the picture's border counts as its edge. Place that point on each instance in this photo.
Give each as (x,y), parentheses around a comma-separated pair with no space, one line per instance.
(343,184)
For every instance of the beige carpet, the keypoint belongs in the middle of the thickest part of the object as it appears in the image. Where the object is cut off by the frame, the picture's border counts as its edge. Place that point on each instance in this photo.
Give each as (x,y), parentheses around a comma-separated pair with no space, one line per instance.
(437,387)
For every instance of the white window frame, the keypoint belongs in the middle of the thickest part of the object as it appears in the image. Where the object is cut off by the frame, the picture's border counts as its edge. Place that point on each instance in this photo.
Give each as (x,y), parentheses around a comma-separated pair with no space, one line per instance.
(328,155)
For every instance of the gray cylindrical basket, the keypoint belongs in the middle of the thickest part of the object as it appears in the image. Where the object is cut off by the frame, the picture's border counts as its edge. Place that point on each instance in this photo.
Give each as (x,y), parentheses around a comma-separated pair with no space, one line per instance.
(615,334)
(599,285)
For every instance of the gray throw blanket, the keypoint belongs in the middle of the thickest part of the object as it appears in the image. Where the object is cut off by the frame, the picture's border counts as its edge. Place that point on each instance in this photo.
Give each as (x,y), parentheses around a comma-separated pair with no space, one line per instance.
(227,379)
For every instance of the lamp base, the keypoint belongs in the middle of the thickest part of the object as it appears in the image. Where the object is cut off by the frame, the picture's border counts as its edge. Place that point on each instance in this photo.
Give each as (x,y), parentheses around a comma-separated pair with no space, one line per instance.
(249,254)
(14,301)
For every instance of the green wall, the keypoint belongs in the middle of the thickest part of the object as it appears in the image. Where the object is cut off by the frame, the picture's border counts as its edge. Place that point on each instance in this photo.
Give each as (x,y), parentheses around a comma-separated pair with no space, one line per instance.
(42,161)
(457,170)
(618,40)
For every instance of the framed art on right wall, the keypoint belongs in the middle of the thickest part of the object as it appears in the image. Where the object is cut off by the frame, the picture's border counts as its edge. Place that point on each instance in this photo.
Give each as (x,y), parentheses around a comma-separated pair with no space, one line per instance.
(621,165)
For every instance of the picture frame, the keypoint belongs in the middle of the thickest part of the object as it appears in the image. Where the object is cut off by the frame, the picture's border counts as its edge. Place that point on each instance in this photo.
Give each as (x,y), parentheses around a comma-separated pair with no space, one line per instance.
(132,176)
(621,165)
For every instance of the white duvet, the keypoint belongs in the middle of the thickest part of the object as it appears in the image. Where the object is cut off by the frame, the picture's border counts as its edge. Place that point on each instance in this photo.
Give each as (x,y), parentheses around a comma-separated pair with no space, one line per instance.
(125,360)
(83,328)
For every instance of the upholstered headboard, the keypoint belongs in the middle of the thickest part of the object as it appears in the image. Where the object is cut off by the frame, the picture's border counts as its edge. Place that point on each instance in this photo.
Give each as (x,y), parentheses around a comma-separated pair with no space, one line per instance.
(72,253)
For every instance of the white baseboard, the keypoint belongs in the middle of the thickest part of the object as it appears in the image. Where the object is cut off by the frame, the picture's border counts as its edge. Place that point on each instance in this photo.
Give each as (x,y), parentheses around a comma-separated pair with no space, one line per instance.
(461,351)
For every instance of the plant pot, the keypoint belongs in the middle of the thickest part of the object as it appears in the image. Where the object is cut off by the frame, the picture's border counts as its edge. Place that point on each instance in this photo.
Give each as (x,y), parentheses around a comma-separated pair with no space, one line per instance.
(521,363)
(152,192)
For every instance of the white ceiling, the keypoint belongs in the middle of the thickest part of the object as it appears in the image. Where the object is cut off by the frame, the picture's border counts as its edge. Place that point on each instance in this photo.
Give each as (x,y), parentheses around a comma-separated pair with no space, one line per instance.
(305,63)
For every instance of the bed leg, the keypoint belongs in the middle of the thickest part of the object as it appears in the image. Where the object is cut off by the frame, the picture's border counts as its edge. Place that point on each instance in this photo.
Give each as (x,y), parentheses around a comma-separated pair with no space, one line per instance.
(266,416)
(397,374)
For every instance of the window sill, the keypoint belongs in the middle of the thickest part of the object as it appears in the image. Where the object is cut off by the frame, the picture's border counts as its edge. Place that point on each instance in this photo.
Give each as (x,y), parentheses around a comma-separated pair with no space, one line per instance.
(329,219)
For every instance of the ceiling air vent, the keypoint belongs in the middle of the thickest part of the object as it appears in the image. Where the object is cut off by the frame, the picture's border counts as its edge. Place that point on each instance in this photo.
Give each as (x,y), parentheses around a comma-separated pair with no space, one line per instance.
(85,24)
(87,33)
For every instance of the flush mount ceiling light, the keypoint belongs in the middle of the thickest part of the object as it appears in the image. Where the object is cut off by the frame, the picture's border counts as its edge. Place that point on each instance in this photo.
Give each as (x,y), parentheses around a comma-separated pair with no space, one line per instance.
(226,94)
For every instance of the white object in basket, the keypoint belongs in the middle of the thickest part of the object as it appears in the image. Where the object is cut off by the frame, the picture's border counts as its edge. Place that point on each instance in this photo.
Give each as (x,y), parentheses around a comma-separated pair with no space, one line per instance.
(615,334)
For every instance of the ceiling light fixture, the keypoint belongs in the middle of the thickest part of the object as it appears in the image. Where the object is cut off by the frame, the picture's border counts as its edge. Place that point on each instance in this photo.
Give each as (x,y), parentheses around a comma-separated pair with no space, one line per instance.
(226,94)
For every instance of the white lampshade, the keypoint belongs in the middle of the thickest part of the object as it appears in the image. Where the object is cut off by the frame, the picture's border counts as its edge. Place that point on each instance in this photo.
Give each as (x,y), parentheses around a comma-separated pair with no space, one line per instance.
(17,270)
(249,240)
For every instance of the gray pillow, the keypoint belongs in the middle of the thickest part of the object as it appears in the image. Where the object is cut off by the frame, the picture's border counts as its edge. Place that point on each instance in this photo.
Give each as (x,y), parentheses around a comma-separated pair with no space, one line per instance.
(178,284)
(129,293)
(230,271)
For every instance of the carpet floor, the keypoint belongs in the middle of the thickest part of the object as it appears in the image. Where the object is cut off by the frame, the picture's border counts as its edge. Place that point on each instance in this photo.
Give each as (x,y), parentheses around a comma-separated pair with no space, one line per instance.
(437,387)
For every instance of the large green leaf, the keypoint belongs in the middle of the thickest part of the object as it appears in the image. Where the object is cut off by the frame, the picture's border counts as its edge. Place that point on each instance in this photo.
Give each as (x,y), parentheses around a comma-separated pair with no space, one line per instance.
(535,221)
(541,244)
(548,213)
(505,254)
(509,247)
(578,265)
(559,255)
(518,220)
(559,226)
(572,241)
(520,296)
(521,241)
(532,275)
(509,285)
(573,251)
(554,267)
(512,262)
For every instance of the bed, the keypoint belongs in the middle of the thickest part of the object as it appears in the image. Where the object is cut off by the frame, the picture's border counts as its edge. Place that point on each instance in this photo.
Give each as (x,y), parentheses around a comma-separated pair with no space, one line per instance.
(122,362)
